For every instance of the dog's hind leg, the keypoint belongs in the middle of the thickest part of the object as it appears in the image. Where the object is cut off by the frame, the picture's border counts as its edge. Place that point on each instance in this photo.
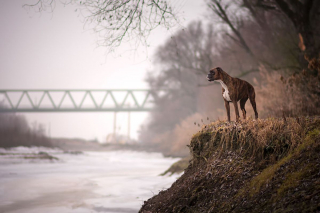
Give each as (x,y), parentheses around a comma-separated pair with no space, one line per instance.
(227,105)
(242,107)
(253,103)
(235,103)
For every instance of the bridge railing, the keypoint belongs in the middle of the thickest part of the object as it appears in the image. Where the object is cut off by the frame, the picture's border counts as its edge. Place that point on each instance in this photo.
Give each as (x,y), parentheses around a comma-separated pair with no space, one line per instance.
(56,105)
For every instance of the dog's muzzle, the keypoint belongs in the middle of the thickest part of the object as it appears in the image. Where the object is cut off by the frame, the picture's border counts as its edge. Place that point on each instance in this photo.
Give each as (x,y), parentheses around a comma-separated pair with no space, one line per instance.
(209,77)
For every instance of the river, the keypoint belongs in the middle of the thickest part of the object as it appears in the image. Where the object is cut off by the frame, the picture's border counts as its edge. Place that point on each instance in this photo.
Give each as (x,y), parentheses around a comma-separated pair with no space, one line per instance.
(110,182)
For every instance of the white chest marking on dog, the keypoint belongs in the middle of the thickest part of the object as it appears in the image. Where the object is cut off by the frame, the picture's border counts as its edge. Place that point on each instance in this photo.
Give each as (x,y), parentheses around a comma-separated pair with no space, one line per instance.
(226,91)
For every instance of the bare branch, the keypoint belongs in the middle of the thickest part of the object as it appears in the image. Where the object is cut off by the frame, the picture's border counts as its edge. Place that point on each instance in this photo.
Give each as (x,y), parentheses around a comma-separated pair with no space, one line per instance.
(221,11)
(118,21)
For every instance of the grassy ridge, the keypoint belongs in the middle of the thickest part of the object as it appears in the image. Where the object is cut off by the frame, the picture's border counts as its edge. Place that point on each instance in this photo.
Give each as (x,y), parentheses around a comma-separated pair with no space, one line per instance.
(267,165)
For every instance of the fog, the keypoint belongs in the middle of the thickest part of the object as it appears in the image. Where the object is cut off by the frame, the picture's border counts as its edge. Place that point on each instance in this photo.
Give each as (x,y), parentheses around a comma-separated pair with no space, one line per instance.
(56,51)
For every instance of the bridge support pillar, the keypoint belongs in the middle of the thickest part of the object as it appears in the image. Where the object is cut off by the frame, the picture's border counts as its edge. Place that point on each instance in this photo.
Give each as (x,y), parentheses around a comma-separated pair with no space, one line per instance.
(129,125)
(115,126)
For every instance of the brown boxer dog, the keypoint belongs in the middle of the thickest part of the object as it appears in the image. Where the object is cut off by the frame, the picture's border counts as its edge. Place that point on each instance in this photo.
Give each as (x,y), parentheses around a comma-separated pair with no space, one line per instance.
(234,90)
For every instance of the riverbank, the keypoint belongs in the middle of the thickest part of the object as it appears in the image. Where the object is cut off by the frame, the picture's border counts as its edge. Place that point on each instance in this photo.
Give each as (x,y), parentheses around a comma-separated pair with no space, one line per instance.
(267,165)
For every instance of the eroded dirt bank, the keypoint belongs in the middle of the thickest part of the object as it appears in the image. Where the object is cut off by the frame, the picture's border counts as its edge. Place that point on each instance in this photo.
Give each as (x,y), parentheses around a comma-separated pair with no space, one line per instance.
(268,165)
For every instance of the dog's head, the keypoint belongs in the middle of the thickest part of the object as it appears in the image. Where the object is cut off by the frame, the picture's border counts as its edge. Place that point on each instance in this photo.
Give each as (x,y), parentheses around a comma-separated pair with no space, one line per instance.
(214,74)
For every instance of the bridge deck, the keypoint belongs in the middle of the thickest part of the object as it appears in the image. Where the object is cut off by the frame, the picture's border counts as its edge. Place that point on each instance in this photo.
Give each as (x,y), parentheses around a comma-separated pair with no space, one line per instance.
(58,105)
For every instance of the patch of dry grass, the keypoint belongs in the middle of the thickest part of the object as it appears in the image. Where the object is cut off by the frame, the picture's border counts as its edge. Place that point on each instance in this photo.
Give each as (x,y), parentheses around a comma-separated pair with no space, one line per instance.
(269,139)
(294,95)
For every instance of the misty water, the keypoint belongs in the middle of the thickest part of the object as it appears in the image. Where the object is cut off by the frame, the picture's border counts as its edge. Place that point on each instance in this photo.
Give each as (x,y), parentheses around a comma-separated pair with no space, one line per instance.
(113,181)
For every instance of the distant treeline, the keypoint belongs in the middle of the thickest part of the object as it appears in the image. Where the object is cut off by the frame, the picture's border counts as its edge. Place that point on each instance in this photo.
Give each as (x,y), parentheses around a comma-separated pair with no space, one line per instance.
(15,131)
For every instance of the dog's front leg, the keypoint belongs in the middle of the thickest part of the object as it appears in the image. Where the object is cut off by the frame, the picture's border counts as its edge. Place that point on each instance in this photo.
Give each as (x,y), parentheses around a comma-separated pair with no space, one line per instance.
(226,104)
(235,103)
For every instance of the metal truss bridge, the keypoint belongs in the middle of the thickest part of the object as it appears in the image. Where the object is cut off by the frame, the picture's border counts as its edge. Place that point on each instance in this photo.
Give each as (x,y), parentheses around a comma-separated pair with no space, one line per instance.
(76,100)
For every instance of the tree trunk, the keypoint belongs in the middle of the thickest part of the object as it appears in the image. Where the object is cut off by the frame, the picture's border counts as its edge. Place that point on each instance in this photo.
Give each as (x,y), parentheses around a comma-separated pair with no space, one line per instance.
(305,16)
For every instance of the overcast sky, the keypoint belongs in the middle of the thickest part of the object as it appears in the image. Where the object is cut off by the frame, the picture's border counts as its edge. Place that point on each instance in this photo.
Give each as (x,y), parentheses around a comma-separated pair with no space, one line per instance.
(54,51)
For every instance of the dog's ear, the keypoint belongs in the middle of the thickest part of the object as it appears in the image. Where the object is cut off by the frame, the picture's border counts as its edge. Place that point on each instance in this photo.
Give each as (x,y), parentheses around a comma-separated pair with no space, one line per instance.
(219,69)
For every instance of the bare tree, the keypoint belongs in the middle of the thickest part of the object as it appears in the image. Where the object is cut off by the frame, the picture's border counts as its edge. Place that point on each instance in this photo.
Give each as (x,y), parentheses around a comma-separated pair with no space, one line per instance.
(180,66)
(234,23)
(116,21)
(177,64)
(258,27)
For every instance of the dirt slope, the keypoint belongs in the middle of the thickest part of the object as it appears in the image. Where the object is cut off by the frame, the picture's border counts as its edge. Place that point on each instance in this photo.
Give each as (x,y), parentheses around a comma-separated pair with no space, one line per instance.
(268,165)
